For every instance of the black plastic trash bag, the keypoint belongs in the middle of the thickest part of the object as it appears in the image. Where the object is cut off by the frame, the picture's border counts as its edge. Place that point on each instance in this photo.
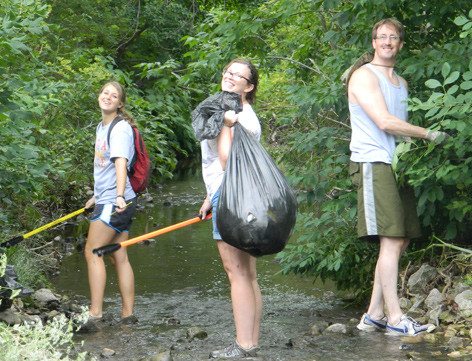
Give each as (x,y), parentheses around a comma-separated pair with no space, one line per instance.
(8,284)
(257,208)
(207,118)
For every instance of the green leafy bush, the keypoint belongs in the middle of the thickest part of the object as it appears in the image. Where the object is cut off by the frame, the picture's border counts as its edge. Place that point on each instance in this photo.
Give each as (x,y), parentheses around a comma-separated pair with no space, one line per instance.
(38,342)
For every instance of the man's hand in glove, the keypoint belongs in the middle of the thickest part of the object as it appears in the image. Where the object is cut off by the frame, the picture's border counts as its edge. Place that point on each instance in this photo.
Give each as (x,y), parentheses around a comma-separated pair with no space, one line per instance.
(437,137)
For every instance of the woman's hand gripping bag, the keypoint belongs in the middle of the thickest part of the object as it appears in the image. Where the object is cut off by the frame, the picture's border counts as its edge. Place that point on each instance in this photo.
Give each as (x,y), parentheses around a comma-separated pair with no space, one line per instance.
(257,208)
(208,116)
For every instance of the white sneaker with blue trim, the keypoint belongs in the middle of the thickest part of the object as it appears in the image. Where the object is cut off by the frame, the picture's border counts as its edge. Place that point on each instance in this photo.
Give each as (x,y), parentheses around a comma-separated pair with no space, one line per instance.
(406,327)
(369,324)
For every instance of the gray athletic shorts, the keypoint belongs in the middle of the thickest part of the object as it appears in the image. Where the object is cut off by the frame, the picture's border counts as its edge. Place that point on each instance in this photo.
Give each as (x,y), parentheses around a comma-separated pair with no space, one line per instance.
(382,208)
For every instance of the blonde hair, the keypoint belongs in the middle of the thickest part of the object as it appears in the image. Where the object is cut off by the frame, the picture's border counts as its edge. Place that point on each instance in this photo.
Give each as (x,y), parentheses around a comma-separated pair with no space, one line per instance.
(122,93)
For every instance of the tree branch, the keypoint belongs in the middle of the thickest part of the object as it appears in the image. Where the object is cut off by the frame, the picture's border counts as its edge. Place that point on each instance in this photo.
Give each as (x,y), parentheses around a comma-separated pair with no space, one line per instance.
(315,70)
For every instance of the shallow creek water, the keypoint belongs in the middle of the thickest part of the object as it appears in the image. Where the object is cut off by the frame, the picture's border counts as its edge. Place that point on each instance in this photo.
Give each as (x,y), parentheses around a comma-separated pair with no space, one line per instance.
(180,283)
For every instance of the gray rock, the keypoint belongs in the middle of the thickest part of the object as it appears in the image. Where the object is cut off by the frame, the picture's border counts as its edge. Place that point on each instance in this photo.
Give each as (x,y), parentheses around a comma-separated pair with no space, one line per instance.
(130,320)
(431,338)
(434,299)
(433,315)
(44,296)
(89,327)
(455,341)
(450,332)
(10,318)
(30,319)
(459,287)
(448,317)
(329,296)
(298,343)
(405,303)
(107,352)
(52,314)
(318,328)
(464,303)
(164,356)
(336,328)
(417,303)
(196,332)
(419,280)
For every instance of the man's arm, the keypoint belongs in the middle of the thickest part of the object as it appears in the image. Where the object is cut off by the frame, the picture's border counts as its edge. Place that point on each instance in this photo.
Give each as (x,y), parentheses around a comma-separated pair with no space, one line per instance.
(364,89)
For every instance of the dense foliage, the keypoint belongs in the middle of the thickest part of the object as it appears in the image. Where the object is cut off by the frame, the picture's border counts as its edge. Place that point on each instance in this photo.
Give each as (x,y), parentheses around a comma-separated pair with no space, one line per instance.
(169,54)
(304,49)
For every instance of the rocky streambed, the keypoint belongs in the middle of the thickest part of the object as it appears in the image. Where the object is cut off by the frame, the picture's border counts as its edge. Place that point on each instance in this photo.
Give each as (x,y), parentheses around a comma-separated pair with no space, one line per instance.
(184,311)
(188,323)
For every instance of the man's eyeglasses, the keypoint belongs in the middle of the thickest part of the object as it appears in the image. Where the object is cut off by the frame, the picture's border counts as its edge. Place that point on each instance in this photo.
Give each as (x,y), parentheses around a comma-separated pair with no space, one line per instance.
(391,37)
(235,76)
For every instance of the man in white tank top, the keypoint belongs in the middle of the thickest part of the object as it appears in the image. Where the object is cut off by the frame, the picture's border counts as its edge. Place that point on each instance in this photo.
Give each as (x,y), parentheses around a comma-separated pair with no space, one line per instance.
(378,113)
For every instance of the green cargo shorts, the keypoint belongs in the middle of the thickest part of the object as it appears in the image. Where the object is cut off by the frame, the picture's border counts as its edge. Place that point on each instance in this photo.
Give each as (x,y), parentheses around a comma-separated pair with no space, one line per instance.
(382,208)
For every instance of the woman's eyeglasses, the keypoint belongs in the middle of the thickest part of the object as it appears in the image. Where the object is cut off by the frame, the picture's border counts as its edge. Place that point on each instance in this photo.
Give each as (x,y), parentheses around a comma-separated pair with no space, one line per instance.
(235,76)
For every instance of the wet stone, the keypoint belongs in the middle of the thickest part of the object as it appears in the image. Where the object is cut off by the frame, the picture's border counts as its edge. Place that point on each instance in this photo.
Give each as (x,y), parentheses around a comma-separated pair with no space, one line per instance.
(464,301)
(430,337)
(298,343)
(45,296)
(10,318)
(164,356)
(454,354)
(455,341)
(30,320)
(419,280)
(412,339)
(130,320)
(450,332)
(447,317)
(412,355)
(89,327)
(170,321)
(336,328)
(433,315)
(434,299)
(196,332)
(318,328)
(107,353)
(405,303)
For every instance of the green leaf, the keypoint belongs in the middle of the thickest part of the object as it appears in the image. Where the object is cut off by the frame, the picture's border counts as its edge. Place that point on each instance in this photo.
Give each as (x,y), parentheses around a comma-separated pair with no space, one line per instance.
(452,78)
(461,20)
(445,70)
(432,83)
(466,85)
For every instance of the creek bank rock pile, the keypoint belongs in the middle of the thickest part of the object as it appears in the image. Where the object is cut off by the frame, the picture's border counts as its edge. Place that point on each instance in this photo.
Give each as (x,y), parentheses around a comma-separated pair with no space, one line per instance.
(431,296)
(42,306)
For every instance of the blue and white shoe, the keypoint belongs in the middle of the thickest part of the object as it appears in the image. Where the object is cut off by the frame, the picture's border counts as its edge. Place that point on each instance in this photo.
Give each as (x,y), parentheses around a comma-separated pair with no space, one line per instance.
(406,327)
(369,324)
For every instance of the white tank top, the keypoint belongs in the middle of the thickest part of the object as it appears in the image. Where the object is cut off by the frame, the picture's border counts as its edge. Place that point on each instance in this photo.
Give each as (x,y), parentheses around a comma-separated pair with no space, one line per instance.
(368,142)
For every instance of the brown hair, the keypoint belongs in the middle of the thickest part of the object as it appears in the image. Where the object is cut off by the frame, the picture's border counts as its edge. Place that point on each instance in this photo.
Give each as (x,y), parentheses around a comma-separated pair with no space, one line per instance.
(122,92)
(392,22)
(253,78)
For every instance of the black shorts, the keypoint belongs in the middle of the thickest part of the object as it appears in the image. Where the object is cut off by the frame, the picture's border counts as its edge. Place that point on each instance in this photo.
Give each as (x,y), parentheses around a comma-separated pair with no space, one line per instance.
(120,222)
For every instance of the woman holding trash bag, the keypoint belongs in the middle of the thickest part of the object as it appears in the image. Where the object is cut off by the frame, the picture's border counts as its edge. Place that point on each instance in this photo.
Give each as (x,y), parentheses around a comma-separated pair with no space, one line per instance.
(114,200)
(241,77)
